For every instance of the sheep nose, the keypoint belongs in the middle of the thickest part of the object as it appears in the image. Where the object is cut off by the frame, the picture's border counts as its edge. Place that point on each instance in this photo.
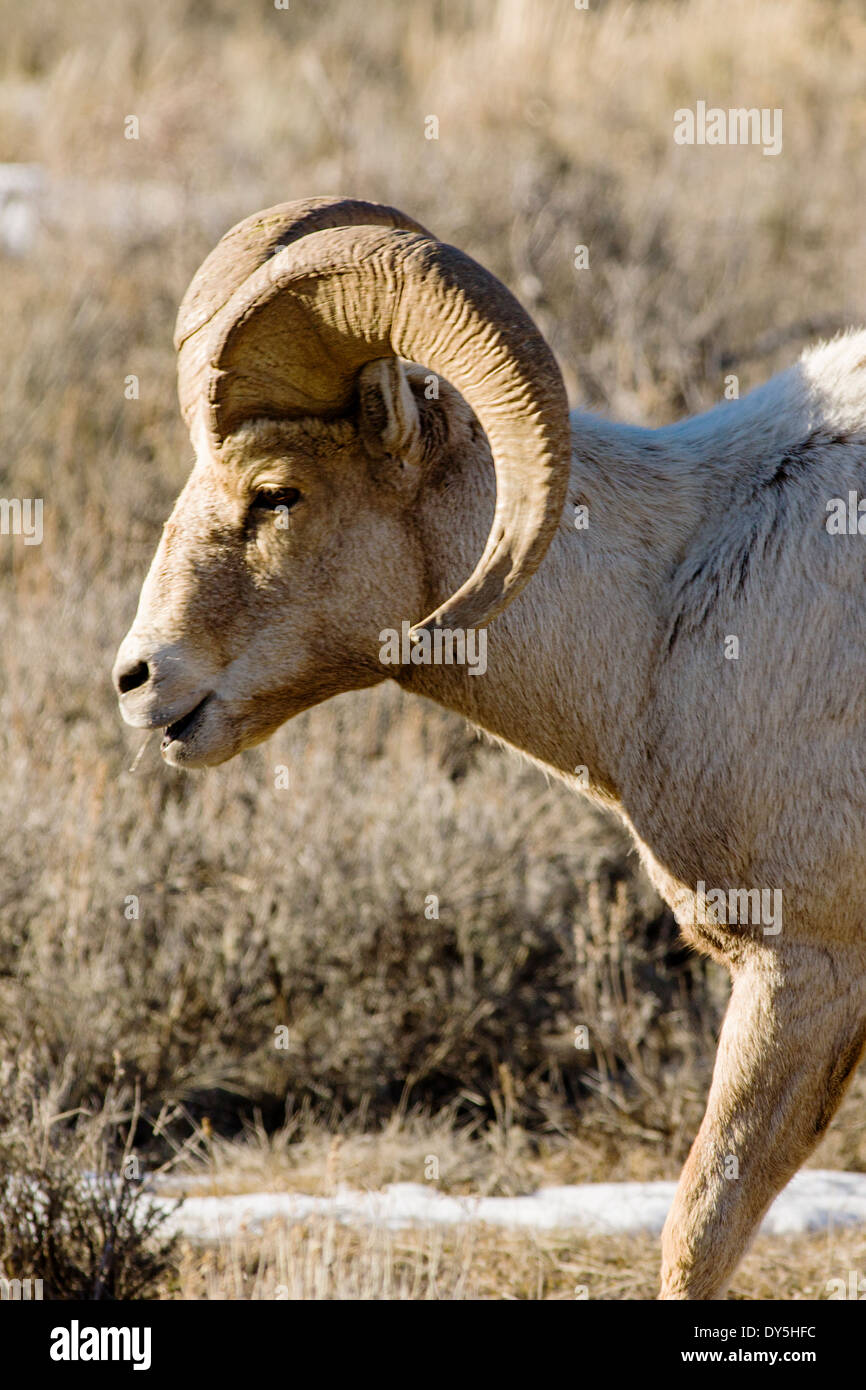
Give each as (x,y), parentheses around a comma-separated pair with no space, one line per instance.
(131,676)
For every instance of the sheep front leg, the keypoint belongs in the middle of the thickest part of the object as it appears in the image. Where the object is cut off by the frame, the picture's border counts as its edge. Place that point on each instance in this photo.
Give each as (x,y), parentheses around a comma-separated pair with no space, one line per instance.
(793,1034)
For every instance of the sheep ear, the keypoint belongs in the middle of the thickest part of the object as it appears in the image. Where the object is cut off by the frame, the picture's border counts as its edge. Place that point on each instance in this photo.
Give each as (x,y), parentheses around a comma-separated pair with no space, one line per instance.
(389,424)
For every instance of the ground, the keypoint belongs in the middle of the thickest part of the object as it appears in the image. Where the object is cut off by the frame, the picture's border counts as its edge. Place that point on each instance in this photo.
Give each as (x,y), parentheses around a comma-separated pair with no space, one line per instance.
(159,930)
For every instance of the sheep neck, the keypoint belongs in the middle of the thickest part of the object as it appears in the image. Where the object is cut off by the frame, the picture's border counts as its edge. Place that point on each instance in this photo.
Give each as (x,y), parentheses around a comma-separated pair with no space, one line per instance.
(569,663)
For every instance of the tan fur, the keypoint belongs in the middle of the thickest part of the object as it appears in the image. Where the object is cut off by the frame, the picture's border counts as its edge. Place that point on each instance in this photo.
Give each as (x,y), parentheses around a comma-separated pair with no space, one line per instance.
(747,773)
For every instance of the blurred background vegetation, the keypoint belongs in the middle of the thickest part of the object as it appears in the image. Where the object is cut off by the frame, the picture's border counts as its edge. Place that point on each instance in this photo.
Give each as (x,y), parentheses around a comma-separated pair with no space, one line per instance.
(261,908)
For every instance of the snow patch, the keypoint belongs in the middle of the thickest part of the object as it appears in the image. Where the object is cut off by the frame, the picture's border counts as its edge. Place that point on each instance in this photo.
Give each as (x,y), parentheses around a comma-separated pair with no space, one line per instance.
(813,1201)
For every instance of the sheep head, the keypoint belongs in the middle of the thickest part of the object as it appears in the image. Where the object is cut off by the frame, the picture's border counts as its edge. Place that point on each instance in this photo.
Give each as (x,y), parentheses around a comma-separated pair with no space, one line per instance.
(295,540)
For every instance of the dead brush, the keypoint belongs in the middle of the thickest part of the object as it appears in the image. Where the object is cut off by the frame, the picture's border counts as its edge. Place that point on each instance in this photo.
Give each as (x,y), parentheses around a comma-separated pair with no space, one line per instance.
(74,1211)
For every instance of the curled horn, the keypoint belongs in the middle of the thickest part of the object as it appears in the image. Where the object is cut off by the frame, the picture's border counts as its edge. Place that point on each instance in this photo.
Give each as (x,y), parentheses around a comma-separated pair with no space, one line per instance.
(279,322)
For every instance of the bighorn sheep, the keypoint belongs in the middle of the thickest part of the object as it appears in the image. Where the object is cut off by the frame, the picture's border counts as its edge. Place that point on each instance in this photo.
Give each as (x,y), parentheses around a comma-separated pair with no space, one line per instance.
(695,648)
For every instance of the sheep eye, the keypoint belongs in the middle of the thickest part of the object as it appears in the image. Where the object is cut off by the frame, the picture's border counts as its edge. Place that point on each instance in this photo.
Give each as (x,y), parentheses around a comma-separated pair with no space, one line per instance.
(269,499)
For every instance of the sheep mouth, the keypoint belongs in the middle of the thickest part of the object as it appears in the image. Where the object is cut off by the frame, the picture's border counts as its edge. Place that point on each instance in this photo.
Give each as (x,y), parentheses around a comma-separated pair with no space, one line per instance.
(177,731)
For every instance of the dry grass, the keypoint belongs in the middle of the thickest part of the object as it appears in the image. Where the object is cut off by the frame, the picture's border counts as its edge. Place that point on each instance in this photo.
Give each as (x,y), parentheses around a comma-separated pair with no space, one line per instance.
(492,1158)
(324,1260)
(259,908)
